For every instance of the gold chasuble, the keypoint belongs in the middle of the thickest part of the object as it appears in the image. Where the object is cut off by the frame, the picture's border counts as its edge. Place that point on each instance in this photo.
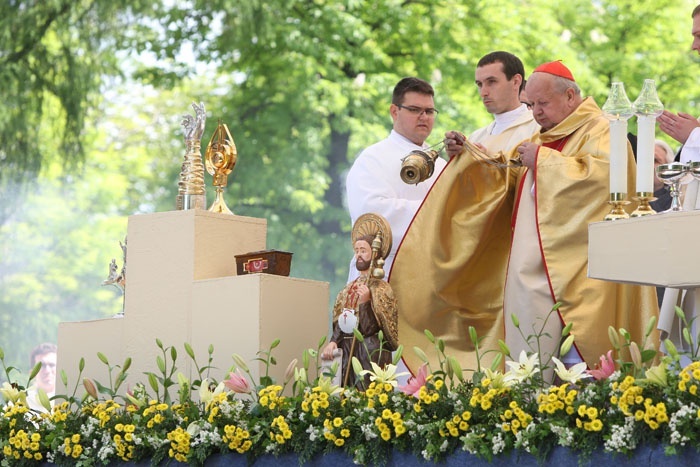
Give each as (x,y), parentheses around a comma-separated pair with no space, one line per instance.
(450,269)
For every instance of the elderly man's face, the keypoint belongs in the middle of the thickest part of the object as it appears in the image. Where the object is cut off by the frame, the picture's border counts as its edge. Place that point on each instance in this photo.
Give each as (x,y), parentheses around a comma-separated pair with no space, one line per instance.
(696,34)
(549,107)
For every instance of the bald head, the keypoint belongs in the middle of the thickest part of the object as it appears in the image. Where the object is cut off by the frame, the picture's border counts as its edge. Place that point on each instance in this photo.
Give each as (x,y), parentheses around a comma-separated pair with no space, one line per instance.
(553,98)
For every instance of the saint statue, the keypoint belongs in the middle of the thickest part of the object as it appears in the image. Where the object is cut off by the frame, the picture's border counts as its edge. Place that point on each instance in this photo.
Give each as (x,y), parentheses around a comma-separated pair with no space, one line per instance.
(367,304)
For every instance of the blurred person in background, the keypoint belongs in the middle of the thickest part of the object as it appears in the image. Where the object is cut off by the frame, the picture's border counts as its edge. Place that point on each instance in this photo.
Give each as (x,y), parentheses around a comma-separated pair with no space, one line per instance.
(46,378)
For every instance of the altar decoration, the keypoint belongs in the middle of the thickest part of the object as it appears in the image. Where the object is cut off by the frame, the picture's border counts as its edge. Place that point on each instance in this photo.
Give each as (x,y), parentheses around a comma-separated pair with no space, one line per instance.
(647,107)
(268,261)
(627,403)
(221,156)
(191,193)
(618,109)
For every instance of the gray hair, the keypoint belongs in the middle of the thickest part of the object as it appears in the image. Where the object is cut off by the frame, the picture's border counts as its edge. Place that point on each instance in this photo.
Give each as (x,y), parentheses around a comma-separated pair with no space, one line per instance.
(562,84)
(670,156)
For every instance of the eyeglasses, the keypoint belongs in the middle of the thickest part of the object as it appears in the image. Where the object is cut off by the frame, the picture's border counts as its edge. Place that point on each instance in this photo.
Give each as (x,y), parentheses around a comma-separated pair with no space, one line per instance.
(418,111)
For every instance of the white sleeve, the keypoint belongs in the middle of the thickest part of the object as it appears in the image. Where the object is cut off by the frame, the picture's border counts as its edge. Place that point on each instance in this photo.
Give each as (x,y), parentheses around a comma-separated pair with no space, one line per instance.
(691,148)
(370,189)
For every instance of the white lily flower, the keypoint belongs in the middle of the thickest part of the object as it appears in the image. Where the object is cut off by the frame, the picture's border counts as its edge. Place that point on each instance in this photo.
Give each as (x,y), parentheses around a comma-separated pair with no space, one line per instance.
(573,374)
(386,375)
(10,394)
(193,429)
(205,395)
(657,374)
(498,379)
(524,368)
(325,384)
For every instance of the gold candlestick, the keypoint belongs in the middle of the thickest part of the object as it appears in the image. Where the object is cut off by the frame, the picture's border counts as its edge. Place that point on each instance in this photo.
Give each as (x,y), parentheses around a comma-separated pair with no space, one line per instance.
(644,209)
(617,200)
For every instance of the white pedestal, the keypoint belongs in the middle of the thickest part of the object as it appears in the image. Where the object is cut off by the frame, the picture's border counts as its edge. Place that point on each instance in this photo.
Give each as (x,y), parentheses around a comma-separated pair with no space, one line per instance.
(182,287)
(653,250)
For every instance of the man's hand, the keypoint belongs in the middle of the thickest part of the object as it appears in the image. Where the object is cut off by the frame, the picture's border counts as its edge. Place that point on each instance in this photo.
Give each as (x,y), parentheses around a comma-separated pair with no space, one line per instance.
(528,154)
(454,143)
(677,126)
(328,350)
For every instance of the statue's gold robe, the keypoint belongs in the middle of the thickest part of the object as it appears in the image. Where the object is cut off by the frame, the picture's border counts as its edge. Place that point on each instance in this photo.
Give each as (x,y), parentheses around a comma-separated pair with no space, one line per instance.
(450,269)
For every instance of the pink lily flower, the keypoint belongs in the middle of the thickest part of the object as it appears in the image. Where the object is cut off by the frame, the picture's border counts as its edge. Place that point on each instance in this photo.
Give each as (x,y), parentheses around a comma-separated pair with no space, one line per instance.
(605,368)
(412,387)
(237,382)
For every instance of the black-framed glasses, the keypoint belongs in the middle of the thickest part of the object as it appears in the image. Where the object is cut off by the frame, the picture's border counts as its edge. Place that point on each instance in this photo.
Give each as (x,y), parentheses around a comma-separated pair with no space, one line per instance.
(418,111)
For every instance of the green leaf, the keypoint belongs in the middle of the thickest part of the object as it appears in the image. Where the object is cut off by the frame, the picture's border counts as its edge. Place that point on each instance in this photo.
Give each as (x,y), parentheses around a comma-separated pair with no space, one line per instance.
(456,368)
(648,355)
(103,358)
(358,335)
(473,336)
(567,329)
(44,399)
(189,351)
(397,355)
(305,359)
(153,382)
(496,364)
(35,370)
(418,351)
(266,381)
(504,348)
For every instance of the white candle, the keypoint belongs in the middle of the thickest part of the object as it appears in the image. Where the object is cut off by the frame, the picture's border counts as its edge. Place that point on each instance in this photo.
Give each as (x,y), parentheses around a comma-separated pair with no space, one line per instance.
(645,153)
(618,155)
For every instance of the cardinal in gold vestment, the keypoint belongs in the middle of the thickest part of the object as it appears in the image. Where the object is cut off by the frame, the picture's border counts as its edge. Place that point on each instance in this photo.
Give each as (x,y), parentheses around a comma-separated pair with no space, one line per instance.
(481,224)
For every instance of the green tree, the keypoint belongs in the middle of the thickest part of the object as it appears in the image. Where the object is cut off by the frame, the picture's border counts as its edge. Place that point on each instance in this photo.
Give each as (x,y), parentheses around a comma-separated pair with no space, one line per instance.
(54,56)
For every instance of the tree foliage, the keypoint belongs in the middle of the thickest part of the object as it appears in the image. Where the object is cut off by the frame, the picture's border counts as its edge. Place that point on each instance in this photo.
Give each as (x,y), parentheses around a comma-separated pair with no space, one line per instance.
(303,85)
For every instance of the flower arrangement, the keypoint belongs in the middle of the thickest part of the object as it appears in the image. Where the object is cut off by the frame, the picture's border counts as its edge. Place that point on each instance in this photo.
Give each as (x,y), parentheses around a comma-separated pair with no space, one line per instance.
(616,407)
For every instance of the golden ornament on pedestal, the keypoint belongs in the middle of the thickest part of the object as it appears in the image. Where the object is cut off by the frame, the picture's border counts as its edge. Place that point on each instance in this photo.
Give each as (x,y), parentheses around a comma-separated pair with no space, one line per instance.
(221,158)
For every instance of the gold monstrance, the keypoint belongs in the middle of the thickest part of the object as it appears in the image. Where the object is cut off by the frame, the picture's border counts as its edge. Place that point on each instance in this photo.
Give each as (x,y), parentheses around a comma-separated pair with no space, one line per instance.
(221,157)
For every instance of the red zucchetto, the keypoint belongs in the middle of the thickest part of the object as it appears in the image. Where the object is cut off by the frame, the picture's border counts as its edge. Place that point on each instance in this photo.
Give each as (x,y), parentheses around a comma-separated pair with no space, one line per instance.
(555,68)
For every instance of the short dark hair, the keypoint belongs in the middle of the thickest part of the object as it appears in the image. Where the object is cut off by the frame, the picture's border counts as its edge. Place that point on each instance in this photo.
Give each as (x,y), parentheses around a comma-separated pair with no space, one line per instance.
(41,349)
(511,64)
(696,11)
(410,84)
